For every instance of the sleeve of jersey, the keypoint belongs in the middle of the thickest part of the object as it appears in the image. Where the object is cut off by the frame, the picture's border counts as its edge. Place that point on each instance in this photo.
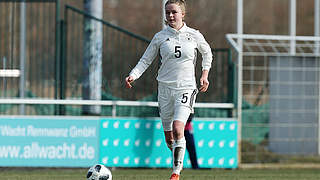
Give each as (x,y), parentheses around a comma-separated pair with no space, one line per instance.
(205,50)
(146,59)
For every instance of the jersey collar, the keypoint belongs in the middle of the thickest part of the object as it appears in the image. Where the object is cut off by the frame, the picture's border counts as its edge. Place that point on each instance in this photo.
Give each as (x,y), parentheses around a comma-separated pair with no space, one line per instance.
(181,30)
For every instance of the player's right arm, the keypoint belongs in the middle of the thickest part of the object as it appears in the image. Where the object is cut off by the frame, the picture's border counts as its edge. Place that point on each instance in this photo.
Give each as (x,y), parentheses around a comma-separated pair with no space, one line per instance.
(145,61)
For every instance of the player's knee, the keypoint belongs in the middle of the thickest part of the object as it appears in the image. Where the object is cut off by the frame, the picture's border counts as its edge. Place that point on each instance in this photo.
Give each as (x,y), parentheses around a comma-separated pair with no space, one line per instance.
(178,131)
(169,143)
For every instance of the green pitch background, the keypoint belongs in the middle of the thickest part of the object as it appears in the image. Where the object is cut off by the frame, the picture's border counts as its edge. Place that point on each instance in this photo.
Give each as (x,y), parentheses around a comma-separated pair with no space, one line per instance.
(163,174)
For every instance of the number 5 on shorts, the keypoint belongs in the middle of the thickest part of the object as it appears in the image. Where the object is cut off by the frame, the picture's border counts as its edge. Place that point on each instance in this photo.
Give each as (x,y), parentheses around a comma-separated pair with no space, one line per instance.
(184,98)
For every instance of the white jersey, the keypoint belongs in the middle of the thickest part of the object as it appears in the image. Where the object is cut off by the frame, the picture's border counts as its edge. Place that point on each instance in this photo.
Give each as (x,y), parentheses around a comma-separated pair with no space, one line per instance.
(177,50)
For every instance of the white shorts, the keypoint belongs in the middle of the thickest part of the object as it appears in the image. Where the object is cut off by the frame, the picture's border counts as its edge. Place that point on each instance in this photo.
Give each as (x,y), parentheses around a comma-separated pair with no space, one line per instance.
(175,105)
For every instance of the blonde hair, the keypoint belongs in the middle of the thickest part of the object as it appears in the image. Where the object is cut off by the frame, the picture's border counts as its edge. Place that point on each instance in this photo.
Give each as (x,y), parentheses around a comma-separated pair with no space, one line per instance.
(181,3)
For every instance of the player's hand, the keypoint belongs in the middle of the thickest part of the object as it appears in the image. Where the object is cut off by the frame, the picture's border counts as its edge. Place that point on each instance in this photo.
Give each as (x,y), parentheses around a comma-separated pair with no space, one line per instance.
(129,80)
(204,83)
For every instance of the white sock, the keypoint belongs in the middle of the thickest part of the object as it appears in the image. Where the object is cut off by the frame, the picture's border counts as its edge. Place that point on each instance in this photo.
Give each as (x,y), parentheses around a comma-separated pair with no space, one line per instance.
(179,149)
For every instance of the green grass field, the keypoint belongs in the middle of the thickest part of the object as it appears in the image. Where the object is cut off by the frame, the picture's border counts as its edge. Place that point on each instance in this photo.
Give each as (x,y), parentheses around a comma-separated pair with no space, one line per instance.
(162,174)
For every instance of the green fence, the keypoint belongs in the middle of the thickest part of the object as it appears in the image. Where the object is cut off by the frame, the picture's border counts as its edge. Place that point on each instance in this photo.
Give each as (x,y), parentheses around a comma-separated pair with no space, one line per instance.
(54,56)
(40,49)
(121,51)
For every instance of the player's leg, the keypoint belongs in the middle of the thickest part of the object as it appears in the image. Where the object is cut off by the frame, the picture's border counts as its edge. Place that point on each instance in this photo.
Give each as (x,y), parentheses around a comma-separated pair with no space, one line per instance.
(169,139)
(179,145)
(184,101)
(191,148)
(166,113)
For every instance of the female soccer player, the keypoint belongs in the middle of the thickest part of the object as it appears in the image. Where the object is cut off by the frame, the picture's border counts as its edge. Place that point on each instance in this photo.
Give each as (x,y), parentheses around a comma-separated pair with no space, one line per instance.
(177,89)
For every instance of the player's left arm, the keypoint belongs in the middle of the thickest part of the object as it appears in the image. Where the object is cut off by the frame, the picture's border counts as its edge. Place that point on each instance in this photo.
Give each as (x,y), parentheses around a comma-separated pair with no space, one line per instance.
(204,82)
(206,53)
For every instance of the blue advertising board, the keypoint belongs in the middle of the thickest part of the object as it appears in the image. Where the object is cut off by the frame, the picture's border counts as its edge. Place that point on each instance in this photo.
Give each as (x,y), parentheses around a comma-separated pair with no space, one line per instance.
(48,142)
(133,142)
(115,142)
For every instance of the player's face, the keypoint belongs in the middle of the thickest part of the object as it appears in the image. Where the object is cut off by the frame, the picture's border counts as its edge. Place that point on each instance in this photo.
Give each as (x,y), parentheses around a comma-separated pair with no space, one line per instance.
(174,15)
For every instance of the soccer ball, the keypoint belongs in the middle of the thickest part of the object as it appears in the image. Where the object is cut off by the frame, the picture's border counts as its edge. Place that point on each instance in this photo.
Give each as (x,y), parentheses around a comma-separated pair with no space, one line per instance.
(99,172)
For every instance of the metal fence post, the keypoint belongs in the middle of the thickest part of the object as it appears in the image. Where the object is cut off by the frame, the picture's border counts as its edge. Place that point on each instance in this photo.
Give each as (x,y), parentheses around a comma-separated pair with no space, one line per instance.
(57,56)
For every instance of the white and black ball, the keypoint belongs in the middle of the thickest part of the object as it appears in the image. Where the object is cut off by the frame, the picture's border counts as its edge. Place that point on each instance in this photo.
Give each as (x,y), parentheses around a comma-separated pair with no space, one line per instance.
(99,172)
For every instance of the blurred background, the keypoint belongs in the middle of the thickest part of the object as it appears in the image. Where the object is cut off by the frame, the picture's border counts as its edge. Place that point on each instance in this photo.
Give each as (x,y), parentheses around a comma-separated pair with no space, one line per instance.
(46,41)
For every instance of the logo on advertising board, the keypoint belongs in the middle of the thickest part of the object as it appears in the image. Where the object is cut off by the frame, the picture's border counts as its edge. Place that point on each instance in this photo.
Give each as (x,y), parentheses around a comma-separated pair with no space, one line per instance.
(48,142)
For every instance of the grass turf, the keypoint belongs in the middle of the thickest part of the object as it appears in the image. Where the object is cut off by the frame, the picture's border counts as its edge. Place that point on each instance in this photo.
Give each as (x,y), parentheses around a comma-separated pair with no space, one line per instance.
(161,174)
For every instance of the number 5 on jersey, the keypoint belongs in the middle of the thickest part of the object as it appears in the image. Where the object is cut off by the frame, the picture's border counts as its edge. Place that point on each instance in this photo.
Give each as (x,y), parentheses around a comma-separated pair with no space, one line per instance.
(177,52)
